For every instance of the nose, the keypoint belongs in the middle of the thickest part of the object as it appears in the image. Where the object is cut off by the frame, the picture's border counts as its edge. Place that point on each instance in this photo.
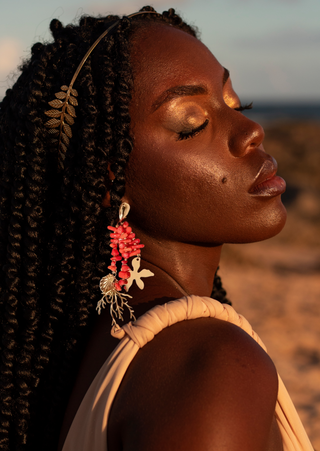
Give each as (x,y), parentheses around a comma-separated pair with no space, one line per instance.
(246,135)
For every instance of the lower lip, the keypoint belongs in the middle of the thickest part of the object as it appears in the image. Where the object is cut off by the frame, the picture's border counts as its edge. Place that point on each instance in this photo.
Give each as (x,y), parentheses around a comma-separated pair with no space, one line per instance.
(270,188)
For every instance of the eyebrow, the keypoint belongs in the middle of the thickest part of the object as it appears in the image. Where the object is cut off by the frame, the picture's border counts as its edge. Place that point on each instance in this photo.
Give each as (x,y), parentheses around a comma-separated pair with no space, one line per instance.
(178,91)
(186,90)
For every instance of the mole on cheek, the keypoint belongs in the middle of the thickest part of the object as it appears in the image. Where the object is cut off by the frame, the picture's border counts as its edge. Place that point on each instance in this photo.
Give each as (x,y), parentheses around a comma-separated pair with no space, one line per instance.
(224,180)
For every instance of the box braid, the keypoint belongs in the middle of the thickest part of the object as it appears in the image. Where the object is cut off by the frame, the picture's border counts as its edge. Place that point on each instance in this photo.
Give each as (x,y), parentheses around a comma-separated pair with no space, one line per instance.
(53,230)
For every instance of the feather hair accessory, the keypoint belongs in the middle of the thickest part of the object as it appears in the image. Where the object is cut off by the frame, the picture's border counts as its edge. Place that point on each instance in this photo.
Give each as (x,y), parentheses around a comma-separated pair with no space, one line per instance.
(63,106)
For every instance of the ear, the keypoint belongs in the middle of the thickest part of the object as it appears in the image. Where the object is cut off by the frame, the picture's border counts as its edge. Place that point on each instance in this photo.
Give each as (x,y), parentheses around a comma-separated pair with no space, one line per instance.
(107,199)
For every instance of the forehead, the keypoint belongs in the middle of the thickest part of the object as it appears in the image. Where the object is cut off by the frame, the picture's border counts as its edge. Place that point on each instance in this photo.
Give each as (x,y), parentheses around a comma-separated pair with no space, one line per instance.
(164,57)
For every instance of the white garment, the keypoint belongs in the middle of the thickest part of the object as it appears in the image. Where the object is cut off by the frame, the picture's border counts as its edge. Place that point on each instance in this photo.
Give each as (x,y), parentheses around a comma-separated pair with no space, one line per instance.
(89,428)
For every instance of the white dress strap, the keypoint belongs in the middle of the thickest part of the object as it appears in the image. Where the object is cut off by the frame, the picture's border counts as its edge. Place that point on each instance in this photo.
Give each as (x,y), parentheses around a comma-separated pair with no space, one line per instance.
(89,428)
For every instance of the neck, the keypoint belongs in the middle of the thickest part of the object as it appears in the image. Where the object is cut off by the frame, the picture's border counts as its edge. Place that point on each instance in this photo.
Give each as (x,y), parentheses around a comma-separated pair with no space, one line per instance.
(180,269)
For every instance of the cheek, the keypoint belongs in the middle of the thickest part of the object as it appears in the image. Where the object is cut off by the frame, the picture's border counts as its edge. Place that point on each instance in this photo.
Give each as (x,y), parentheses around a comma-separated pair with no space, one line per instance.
(197,196)
(177,192)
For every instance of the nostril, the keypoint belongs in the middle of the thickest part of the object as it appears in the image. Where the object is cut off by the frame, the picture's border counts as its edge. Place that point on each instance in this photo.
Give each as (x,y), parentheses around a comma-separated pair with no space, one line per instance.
(247,138)
(257,136)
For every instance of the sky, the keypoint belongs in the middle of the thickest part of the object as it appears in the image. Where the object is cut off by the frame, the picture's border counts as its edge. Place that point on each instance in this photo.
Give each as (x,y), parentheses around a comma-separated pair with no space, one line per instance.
(271,47)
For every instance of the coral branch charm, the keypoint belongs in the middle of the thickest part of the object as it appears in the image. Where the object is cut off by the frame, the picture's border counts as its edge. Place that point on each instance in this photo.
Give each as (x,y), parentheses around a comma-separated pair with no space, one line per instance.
(124,245)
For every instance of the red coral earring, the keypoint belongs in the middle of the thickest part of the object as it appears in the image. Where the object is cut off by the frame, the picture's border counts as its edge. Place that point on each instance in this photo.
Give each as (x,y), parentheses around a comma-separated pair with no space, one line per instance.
(124,245)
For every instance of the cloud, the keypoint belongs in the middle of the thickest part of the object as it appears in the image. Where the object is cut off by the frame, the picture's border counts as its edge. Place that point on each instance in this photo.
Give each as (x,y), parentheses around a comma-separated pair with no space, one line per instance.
(10,54)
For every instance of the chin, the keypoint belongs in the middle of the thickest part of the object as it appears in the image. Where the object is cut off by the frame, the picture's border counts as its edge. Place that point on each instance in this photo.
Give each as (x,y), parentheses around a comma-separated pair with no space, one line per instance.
(278,220)
(274,223)
(264,226)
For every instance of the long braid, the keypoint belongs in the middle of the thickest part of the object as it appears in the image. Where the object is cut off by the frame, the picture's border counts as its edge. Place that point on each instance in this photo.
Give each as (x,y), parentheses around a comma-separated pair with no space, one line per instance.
(122,134)
(11,264)
(218,292)
(78,246)
(53,229)
(85,200)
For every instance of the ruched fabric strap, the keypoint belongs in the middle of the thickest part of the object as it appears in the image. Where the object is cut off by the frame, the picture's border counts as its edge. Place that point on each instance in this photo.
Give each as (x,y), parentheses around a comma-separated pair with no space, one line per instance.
(158,318)
(89,428)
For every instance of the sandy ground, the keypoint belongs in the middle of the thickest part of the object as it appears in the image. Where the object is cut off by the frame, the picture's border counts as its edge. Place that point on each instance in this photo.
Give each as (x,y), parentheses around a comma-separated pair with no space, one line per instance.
(276,284)
(277,288)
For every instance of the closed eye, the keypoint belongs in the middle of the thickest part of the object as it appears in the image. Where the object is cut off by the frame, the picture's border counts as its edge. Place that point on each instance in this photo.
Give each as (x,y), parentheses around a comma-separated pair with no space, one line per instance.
(193,132)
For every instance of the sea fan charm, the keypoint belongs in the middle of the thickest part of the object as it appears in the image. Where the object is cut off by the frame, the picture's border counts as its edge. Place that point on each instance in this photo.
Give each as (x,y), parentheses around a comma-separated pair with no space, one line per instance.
(113,297)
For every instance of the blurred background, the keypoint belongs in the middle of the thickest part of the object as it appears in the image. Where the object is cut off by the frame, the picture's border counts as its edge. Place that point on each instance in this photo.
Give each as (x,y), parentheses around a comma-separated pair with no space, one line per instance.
(272,49)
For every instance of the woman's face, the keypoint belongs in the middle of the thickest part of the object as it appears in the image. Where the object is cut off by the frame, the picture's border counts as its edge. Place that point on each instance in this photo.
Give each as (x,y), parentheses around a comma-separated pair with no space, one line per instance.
(198,172)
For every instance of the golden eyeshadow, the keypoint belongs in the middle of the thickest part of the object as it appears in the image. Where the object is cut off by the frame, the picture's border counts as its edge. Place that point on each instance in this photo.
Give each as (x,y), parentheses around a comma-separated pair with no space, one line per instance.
(184,116)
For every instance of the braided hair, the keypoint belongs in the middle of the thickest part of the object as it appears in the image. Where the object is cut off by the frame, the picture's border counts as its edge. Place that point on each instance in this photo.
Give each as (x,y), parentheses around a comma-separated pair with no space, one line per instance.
(53,246)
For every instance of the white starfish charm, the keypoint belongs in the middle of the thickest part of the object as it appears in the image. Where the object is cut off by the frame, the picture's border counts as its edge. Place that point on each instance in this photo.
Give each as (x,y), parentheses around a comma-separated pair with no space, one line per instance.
(136,275)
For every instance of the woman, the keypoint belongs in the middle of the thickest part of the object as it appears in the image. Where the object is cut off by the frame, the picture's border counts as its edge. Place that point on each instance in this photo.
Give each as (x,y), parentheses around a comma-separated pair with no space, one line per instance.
(197,177)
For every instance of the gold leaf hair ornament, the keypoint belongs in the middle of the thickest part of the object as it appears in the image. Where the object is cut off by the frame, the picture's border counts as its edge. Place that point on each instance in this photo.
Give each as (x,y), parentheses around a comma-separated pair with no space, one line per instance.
(63,106)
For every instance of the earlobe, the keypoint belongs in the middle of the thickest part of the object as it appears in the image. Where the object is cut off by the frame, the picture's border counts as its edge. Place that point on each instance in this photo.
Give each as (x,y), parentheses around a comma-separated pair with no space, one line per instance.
(106,203)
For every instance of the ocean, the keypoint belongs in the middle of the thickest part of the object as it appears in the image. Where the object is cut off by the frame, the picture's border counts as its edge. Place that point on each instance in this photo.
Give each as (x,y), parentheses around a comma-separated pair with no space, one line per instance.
(265,113)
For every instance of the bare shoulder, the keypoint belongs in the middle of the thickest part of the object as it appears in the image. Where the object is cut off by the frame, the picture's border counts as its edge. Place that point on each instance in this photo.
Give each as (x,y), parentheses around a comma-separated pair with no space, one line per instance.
(200,384)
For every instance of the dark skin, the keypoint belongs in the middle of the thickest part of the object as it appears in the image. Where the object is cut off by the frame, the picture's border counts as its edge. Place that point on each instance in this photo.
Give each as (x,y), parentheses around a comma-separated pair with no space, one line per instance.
(202,384)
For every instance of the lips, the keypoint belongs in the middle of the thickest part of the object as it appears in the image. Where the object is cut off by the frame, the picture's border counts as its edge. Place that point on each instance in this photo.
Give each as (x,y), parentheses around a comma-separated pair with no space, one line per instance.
(266,182)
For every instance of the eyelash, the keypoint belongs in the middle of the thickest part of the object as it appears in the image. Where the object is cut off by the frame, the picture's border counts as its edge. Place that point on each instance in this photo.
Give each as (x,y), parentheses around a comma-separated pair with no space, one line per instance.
(194,132)
(244,107)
